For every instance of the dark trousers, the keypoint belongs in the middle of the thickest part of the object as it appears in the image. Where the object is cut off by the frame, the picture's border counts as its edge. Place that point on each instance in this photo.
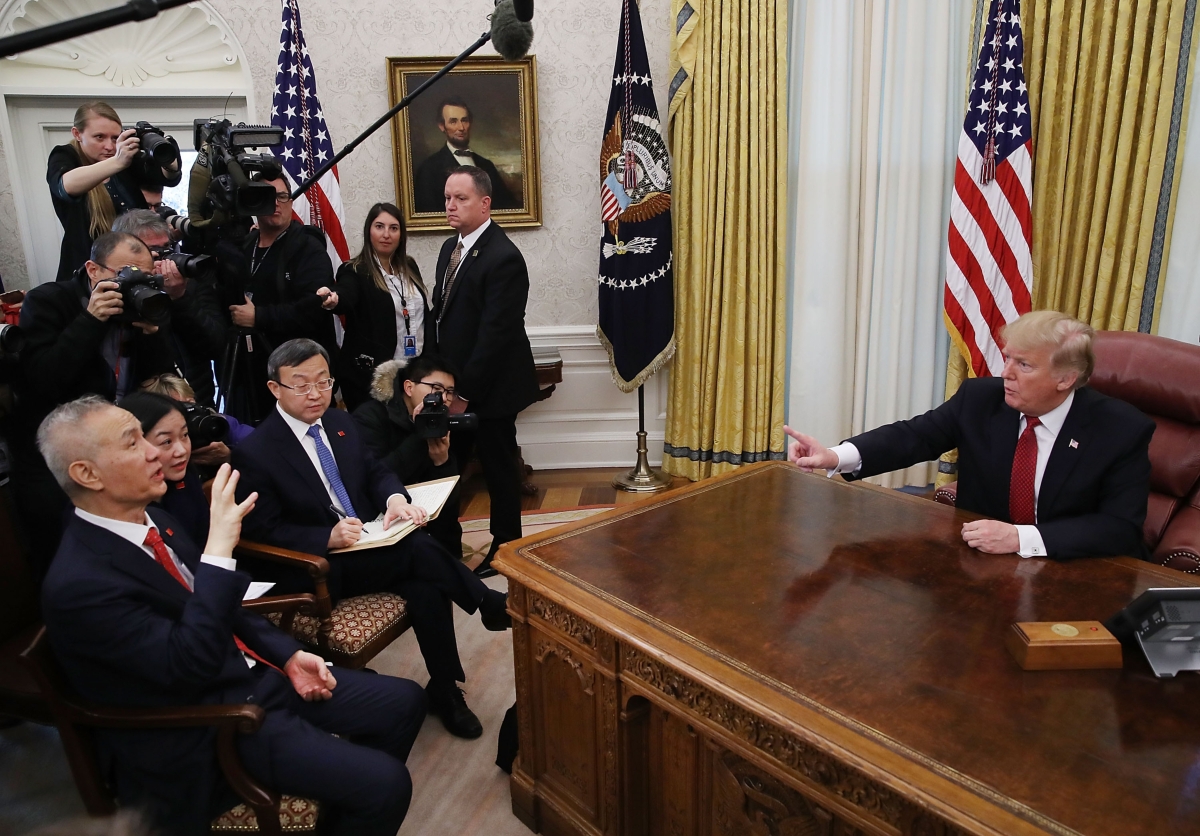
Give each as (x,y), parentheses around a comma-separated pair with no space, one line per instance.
(495,443)
(420,571)
(359,776)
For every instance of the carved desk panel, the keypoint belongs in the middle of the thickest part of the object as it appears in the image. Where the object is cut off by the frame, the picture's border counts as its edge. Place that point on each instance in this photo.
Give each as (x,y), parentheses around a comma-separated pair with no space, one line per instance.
(773,652)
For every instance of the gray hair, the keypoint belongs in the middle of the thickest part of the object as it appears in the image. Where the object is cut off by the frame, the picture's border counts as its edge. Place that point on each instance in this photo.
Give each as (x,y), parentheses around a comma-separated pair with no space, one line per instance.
(59,440)
(479,177)
(141,223)
(293,353)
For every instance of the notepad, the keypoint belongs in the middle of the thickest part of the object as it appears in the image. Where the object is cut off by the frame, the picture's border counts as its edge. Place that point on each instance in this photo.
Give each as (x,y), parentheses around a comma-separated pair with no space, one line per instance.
(431,496)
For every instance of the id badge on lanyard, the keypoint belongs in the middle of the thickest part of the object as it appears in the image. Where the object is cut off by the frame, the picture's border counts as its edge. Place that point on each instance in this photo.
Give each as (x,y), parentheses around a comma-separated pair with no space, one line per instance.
(410,345)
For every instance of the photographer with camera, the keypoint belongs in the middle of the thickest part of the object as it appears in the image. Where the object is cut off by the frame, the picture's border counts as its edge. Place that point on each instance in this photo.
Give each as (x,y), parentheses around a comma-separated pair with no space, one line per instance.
(99,174)
(214,434)
(198,331)
(97,334)
(284,264)
(407,425)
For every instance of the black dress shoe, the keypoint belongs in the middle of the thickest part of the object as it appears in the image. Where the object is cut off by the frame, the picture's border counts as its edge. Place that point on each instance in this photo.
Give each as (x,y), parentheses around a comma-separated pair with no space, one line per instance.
(450,704)
(493,611)
(485,570)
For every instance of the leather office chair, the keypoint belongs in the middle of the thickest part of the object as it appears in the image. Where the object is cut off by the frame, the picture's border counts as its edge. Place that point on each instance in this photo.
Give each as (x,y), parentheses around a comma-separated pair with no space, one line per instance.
(349,634)
(76,718)
(1161,377)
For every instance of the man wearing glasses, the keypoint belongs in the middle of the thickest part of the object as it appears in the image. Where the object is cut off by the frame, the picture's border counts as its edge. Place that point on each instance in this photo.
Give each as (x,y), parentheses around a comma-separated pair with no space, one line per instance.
(75,347)
(317,483)
(386,420)
(282,269)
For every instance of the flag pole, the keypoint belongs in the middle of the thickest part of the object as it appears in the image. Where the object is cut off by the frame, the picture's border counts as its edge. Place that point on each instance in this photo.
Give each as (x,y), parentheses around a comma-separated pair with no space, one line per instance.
(642,479)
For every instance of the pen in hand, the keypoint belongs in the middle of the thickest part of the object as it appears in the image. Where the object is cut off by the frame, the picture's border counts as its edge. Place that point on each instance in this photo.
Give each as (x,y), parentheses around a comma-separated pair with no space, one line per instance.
(342,515)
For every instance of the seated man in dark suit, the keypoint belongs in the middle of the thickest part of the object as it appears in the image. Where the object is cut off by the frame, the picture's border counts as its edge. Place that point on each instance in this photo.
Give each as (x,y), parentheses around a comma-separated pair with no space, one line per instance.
(137,617)
(1062,470)
(316,482)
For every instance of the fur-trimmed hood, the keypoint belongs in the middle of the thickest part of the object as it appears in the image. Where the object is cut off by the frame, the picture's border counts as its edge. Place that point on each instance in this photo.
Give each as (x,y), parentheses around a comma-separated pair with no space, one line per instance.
(383,383)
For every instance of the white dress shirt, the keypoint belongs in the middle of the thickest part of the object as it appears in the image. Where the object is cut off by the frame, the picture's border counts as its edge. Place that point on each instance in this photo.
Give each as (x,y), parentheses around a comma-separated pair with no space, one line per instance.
(1031,543)
(468,241)
(464,157)
(310,447)
(405,294)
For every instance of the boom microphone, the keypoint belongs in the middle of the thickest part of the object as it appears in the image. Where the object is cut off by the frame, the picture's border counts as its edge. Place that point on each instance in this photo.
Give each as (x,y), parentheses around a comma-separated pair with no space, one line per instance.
(512,34)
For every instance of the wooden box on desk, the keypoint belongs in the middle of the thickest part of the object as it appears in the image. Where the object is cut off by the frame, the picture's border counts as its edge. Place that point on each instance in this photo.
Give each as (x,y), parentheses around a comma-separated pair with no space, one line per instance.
(1063,645)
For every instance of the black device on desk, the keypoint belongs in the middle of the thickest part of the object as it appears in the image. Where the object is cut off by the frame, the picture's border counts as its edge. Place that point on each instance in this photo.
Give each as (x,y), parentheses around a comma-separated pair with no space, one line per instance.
(1165,624)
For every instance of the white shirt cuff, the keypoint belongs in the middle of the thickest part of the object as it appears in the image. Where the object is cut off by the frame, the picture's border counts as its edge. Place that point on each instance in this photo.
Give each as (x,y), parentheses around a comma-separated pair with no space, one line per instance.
(1032,544)
(393,496)
(222,562)
(849,459)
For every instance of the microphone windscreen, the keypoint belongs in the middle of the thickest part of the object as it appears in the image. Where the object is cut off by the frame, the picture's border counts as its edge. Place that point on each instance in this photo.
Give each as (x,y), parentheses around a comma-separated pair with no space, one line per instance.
(523,10)
(510,36)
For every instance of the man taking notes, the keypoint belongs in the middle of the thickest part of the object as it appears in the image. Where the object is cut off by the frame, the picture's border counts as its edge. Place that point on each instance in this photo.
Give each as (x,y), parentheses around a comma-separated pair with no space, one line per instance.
(317,483)
(138,617)
(1062,470)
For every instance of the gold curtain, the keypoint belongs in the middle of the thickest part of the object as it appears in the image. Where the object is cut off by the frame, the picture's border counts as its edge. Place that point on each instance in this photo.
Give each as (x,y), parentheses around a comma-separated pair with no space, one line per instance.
(728,139)
(1109,84)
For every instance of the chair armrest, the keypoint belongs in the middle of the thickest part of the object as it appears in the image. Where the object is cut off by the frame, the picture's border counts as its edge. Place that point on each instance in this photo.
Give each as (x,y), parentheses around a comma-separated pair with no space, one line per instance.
(947,494)
(245,719)
(317,567)
(303,603)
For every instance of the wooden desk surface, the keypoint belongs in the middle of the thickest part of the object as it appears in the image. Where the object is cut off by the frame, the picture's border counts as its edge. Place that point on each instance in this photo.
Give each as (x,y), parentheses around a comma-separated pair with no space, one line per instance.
(859,620)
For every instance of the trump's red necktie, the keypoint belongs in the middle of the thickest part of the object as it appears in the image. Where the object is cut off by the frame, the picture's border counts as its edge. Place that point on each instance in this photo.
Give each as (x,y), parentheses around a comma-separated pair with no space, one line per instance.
(154,542)
(1022,507)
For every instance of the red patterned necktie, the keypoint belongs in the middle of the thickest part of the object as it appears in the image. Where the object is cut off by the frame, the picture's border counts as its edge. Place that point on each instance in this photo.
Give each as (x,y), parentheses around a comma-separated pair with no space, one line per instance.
(154,542)
(1022,507)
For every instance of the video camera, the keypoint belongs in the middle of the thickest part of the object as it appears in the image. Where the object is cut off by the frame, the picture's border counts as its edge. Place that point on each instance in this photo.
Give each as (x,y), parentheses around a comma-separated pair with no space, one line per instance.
(435,421)
(142,297)
(11,340)
(220,189)
(204,424)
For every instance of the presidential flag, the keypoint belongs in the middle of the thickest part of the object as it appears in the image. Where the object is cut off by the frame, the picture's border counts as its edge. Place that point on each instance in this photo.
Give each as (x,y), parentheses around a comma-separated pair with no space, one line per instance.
(989,274)
(306,143)
(637,302)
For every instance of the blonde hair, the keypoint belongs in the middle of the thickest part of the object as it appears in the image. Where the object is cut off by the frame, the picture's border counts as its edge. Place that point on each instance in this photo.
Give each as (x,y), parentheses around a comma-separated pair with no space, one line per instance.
(101,210)
(170,385)
(1070,340)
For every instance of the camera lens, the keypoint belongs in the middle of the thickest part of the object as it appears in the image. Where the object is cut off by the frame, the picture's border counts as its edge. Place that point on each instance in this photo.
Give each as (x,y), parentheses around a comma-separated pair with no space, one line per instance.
(152,304)
(160,148)
(11,339)
(205,425)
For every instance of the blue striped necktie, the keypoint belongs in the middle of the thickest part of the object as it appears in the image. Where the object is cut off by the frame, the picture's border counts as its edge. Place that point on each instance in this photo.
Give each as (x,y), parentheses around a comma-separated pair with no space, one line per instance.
(331,470)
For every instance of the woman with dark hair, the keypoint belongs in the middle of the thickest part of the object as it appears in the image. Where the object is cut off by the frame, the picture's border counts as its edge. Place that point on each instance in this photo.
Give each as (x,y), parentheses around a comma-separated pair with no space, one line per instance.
(164,425)
(381,294)
(93,179)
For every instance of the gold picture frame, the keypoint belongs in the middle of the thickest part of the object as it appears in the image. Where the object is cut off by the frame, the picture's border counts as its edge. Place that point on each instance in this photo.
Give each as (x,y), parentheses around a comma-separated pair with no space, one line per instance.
(499,99)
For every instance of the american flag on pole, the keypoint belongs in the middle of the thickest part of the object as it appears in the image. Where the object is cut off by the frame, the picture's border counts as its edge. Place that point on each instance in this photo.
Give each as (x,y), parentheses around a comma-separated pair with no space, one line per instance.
(989,274)
(306,143)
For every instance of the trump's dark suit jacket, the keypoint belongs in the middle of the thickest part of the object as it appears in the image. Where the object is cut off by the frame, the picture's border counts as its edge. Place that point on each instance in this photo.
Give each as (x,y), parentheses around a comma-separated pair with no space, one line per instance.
(1092,499)
(129,634)
(293,508)
(482,329)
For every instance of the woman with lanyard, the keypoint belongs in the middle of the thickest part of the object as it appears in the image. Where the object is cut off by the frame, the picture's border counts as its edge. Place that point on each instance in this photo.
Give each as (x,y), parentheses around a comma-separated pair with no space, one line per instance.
(383,299)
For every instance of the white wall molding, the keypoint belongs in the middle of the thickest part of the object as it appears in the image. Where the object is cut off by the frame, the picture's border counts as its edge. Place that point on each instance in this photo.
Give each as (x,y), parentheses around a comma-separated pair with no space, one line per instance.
(588,421)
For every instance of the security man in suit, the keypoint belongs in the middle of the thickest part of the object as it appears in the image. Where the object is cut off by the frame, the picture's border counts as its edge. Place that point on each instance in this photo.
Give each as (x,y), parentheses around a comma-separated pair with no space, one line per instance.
(454,120)
(317,482)
(138,617)
(1062,470)
(479,315)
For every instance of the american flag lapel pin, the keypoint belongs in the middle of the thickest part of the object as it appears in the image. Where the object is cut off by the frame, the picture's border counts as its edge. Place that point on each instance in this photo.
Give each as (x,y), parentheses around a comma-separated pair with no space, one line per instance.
(1074,445)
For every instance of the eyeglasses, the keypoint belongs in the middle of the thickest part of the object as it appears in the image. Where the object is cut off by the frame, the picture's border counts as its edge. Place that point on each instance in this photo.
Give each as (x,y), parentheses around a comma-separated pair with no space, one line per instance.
(447,394)
(282,197)
(307,388)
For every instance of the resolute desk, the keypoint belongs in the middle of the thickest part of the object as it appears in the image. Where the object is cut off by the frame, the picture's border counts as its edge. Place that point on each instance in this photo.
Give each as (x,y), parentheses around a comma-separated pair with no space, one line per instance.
(774,652)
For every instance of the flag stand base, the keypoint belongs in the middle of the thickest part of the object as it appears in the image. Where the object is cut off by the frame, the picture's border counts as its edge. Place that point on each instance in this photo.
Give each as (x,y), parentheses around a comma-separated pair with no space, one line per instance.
(643,478)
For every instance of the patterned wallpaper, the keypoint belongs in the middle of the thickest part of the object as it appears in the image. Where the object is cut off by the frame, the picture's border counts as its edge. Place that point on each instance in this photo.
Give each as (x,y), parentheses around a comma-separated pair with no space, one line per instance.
(348,40)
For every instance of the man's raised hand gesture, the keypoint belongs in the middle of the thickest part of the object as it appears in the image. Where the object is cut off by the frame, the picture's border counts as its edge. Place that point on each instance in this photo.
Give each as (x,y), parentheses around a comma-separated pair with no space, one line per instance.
(806,452)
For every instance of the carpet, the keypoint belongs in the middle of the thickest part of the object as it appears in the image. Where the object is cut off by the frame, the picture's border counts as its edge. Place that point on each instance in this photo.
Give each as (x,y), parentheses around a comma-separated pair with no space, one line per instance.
(477,539)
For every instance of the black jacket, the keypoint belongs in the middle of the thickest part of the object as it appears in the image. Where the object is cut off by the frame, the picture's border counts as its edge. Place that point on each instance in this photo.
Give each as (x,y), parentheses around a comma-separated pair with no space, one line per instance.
(286,305)
(390,435)
(73,210)
(1093,495)
(62,359)
(429,182)
(483,328)
(128,634)
(370,328)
